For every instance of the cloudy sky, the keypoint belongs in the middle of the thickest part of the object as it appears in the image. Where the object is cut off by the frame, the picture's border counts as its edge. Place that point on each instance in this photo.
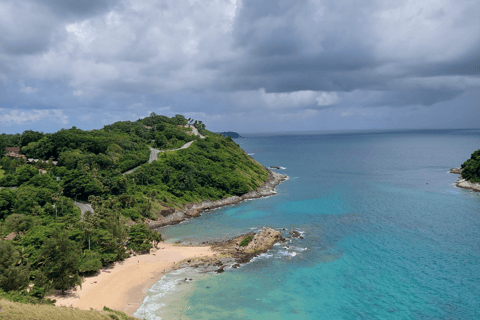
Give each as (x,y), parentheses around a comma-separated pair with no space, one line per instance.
(241,65)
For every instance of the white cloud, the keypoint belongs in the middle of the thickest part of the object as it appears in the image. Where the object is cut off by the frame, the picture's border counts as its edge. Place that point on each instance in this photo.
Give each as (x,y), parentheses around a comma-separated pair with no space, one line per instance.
(26,89)
(16,117)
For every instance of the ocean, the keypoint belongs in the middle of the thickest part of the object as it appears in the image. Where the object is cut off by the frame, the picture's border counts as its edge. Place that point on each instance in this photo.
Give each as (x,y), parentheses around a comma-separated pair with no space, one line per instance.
(387,235)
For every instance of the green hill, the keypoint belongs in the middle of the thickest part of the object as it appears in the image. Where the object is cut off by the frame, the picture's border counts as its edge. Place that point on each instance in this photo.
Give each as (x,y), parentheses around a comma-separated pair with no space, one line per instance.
(53,244)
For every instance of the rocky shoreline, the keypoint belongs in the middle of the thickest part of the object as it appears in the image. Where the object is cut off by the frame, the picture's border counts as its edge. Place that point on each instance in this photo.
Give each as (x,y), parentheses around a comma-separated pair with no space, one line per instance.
(465,184)
(231,254)
(171,217)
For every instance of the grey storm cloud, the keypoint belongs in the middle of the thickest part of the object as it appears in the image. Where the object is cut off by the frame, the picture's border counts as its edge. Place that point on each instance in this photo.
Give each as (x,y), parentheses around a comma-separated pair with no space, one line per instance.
(221,57)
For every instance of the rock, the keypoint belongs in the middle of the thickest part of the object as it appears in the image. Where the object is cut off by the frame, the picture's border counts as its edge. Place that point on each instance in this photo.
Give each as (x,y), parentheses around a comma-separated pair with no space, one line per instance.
(235,266)
(167,212)
(295,234)
(301,237)
(462,183)
(456,170)
(220,270)
(274,167)
(263,240)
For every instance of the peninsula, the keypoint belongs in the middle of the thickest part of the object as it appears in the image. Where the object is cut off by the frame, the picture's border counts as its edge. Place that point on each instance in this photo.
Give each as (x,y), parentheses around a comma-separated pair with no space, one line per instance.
(76,204)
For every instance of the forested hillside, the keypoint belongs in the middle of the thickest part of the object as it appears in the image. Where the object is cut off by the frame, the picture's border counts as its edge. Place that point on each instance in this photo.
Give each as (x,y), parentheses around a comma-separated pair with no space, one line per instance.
(50,244)
(471,168)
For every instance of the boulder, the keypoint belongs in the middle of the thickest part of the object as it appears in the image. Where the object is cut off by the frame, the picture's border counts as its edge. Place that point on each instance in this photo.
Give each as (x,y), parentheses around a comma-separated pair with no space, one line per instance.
(263,240)
(295,234)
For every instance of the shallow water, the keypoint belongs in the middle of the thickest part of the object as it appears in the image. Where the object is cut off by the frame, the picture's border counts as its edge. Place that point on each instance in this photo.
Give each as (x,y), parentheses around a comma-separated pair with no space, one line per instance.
(387,235)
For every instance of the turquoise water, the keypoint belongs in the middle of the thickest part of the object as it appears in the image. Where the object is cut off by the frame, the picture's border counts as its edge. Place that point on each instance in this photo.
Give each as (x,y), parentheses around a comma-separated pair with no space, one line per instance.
(387,235)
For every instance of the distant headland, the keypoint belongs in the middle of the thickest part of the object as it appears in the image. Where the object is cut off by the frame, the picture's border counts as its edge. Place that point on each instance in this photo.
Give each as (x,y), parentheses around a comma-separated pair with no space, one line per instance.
(232,134)
(469,173)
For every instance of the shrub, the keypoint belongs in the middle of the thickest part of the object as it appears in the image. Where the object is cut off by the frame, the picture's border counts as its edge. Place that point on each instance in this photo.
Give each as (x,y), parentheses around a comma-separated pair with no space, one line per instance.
(246,241)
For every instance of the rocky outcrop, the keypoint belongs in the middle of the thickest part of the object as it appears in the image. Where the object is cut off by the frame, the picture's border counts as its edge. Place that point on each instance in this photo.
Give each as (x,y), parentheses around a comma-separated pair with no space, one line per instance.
(230,254)
(462,183)
(196,209)
(295,234)
(456,170)
(263,241)
(465,184)
(167,212)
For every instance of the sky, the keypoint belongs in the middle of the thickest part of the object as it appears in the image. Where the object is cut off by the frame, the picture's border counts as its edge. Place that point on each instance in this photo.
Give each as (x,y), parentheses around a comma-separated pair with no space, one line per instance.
(241,65)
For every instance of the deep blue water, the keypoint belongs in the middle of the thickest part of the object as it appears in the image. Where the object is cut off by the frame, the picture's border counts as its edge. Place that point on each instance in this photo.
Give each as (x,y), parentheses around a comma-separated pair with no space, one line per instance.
(387,235)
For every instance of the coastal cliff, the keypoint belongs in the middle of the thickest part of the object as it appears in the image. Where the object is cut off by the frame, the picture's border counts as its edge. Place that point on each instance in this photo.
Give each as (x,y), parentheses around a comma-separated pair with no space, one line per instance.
(171,217)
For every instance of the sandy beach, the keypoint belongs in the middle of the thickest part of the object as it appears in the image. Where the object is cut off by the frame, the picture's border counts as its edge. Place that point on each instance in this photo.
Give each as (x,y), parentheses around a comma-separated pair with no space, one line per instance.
(128,282)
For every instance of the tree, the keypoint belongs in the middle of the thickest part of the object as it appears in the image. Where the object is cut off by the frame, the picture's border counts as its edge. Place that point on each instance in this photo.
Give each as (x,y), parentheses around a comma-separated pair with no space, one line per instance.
(141,237)
(13,274)
(90,263)
(60,259)
(30,136)
(25,173)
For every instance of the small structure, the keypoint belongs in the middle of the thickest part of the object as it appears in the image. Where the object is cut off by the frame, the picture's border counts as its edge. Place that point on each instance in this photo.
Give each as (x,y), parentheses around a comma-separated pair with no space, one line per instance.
(10,237)
(14,152)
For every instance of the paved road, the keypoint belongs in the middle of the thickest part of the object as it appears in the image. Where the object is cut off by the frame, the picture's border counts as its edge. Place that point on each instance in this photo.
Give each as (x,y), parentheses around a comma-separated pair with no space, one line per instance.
(154,152)
(84,207)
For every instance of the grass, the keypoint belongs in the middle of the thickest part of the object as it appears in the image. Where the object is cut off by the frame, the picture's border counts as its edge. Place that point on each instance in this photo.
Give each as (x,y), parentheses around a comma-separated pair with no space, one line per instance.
(246,241)
(20,311)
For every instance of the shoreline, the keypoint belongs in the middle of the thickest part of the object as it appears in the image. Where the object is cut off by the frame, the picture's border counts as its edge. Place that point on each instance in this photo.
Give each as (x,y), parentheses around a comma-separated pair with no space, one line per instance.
(195,210)
(125,284)
(465,184)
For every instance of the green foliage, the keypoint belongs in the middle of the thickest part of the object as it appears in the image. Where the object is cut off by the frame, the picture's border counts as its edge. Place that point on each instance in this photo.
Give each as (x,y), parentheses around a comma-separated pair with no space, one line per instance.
(59,259)
(246,241)
(471,168)
(30,136)
(24,297)
(81,184)
(114,314)
(53,246)
(90,263)
(141,238)
(14,275)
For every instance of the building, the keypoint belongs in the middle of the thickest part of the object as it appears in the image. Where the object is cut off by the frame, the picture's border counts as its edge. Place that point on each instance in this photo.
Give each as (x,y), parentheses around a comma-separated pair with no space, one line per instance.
(10,237)
(14,152)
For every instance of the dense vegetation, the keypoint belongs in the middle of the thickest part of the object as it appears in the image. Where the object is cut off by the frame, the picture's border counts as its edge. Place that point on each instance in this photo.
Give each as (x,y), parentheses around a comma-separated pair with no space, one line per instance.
(53,244)
(471,168)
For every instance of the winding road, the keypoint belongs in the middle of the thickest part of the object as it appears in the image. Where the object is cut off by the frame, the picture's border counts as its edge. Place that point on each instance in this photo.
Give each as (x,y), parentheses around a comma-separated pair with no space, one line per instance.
(84,207)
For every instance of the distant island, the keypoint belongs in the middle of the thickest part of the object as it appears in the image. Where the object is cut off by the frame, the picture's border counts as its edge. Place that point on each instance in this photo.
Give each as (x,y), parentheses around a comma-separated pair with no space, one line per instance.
(470,173)
(74,202)
(232,134)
